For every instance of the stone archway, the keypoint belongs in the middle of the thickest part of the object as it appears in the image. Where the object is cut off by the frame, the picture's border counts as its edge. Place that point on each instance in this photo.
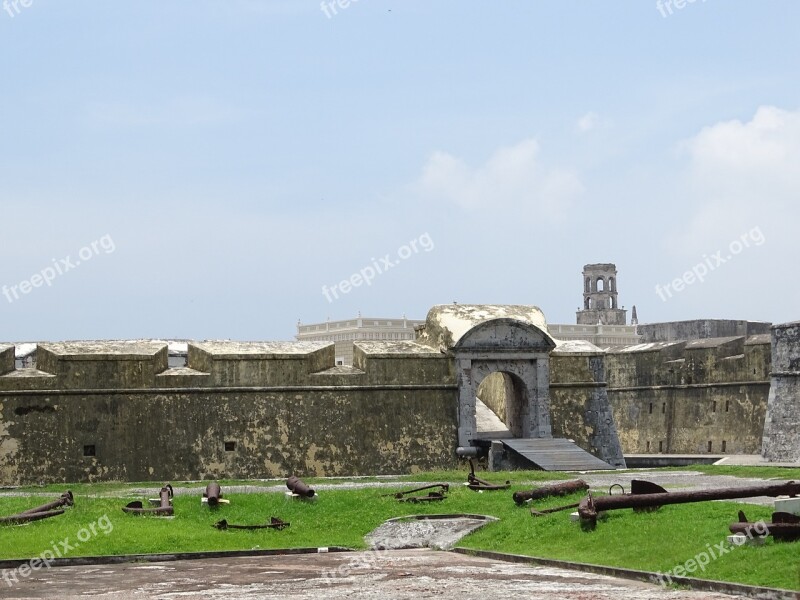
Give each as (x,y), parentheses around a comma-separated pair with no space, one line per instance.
(518,349)
(513,339)
(485,339)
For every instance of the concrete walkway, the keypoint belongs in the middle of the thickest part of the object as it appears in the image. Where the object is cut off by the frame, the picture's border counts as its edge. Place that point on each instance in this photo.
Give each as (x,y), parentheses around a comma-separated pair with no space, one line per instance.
(401,574)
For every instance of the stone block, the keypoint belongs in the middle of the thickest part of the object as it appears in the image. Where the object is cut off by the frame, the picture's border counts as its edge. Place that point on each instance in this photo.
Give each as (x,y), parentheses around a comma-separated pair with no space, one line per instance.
(788,505)
(739,539)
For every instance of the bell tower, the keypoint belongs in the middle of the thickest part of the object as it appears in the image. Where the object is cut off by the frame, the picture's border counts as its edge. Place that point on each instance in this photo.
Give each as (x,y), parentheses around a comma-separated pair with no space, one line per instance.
(600,304)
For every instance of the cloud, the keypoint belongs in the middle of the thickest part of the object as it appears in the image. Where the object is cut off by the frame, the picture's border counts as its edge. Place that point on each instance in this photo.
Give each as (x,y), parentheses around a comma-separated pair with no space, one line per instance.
(513,178)
(742,175)
(588,122)
(768,142)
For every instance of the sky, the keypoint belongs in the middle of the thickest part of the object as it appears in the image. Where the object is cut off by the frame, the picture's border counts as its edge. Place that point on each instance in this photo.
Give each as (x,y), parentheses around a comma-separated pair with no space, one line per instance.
(224,169)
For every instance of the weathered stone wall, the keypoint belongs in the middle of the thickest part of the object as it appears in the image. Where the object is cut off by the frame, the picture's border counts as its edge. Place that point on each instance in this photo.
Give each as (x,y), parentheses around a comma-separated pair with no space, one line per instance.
(236,411)
(6,359)
(182,434)
(115,410)
(676,397)
(579,404)
(494,391)
(782,424)
(700,329)
(669,397)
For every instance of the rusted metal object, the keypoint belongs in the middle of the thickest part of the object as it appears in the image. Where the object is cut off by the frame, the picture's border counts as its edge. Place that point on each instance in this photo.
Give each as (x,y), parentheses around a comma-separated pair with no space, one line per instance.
(784,527)
(66,499)
(165,508)
(213,494)
(45,511)
(442,487)
(299,487)
(591,506)
(20,518)
(546,491)
(476,484)
(640,486)
(431,497)
(547,511)
(274,523)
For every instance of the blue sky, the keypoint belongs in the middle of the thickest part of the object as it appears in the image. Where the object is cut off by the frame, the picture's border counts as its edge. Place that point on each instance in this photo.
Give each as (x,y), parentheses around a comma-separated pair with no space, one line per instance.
(231,161)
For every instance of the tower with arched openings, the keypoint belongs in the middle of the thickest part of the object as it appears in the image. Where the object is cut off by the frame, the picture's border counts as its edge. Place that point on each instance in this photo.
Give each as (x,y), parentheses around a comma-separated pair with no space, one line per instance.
(600,304)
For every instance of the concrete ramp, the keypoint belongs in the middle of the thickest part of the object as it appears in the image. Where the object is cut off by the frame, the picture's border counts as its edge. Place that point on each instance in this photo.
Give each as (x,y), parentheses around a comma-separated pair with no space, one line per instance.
(556,454)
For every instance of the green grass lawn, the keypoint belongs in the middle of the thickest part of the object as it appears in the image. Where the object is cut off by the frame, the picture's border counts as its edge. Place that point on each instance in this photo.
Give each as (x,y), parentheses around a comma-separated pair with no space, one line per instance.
(649,541)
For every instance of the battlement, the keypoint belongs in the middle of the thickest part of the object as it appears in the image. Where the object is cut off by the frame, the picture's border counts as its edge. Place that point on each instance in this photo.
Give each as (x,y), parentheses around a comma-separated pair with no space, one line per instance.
(6,358)
(701,329)
(137,364)
(694,362)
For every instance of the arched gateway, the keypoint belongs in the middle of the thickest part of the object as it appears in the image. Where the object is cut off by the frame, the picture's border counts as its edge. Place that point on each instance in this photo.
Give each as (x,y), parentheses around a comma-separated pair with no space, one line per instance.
(509,339)
(513,340)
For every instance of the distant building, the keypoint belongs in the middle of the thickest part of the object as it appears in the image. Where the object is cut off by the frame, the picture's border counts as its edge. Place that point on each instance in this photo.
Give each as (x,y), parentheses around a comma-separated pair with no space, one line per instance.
(601,321)
(25,355)
(344,333)
(700,329)
(602,336)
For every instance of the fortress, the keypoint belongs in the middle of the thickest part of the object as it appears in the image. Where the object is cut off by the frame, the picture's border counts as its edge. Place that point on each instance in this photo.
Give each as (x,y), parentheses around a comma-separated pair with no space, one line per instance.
(93,411)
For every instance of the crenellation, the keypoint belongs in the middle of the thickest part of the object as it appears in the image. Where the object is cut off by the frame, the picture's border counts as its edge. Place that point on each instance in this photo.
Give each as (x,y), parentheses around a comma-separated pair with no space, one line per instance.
(103,365)
(408,363)
(235,364)
(6,359)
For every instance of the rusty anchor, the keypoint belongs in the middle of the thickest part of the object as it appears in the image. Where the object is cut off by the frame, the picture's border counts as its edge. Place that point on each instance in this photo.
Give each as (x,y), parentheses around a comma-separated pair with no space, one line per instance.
(403,496)
(45,511)
(785,526)
(476,484)
(650,496)
(431,497)
(274,523)
(163,510)
(541,513)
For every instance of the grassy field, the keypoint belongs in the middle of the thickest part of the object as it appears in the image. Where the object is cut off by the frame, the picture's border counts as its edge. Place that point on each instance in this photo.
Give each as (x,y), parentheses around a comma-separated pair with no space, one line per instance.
(656,541)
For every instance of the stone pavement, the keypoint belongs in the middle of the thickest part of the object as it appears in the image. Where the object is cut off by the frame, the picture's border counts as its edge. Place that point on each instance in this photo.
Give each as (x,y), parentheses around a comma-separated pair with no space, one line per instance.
(400,574)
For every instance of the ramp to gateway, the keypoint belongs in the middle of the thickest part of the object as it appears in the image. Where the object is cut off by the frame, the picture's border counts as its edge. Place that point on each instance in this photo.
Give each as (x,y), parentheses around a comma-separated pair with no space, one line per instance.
(556,454)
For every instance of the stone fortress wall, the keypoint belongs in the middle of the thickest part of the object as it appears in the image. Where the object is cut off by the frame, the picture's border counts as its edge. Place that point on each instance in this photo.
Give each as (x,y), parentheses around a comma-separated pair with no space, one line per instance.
(96,411)
(691,397)
(683,397)
(115,411)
